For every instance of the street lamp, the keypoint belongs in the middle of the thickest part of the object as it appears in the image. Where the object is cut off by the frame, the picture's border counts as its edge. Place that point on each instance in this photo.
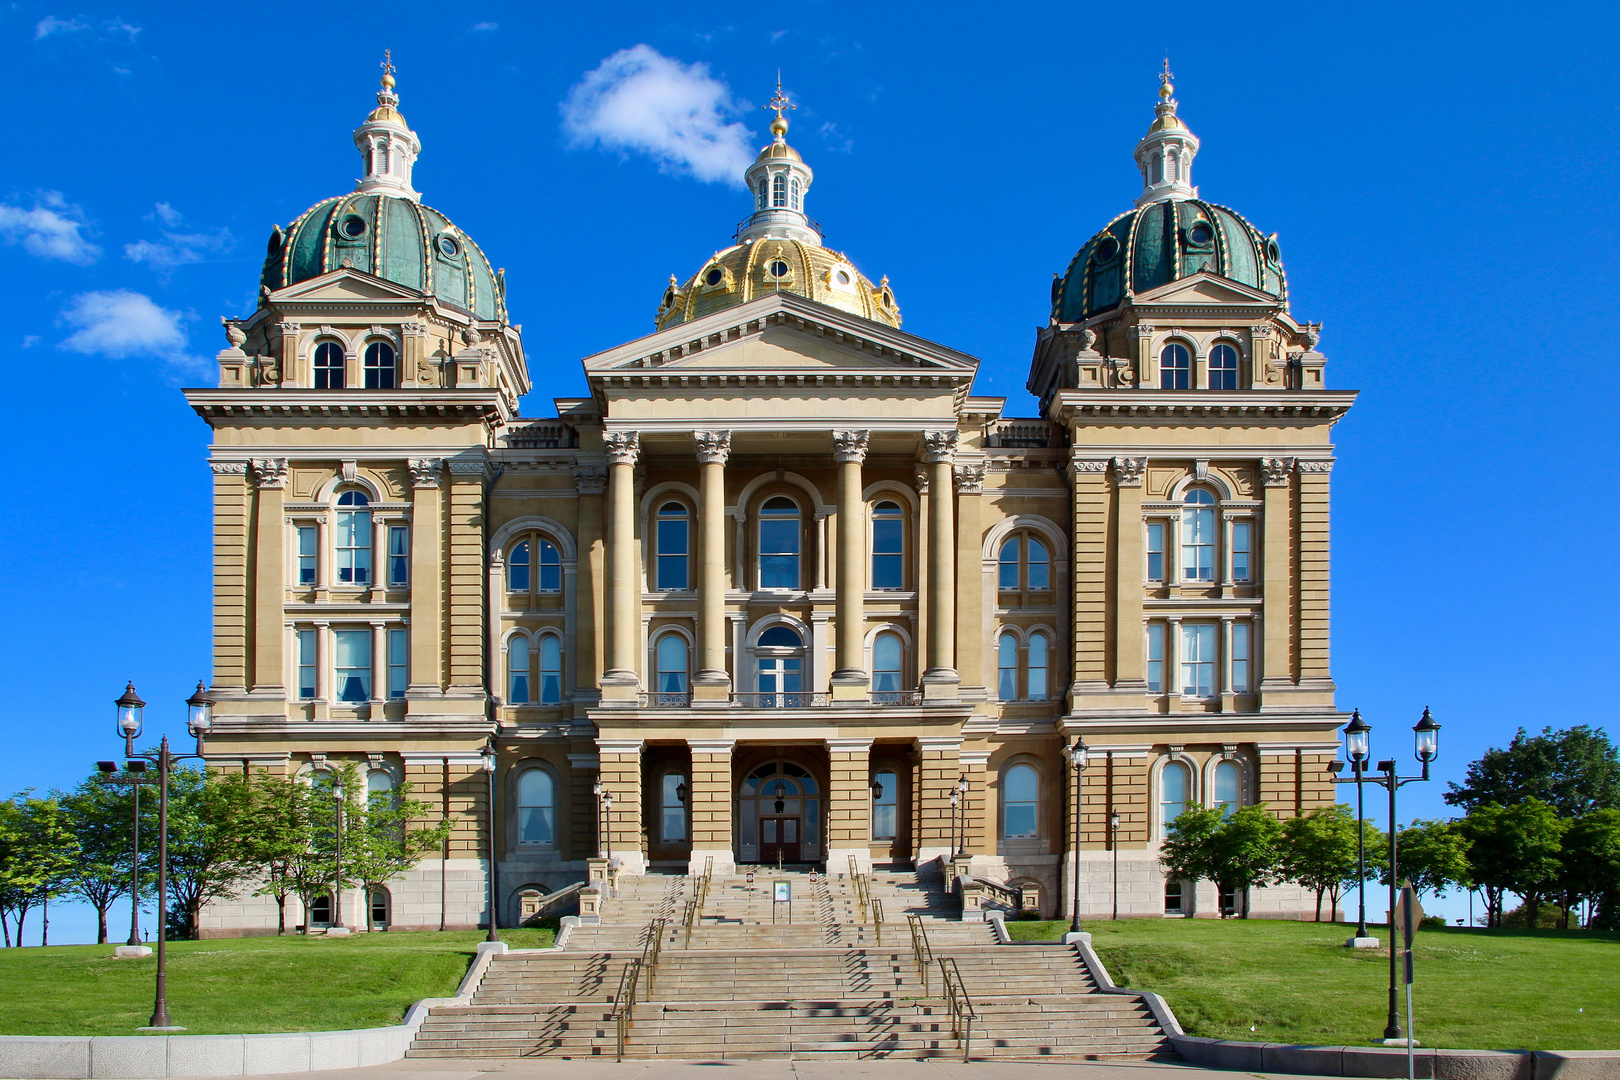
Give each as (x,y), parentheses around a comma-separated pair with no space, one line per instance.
(199,721)
(956,797)
(1077,758)
(1113,842)
(337,834)
(488,758)
(1357,738)
(962,789)
(607,825)
(134,778)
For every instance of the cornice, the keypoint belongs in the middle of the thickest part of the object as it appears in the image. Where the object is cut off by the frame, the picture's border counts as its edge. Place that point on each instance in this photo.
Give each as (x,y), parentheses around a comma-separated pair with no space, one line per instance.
(217,405)
(1071,405)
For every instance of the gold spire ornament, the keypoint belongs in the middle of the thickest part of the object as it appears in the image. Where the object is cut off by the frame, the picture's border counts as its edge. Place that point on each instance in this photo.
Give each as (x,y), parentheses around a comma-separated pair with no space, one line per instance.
(780,103)
(388,69)
(1166,87)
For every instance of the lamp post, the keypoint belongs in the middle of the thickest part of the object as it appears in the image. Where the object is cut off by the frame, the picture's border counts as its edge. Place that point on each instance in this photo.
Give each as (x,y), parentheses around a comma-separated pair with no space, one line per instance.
(199,721)
(488,758)
(134,778)
(962,789)
(607,825)
(956,797)
(1113,842)
(1077,758)
(337,834)
(1357,735)
(1425,747)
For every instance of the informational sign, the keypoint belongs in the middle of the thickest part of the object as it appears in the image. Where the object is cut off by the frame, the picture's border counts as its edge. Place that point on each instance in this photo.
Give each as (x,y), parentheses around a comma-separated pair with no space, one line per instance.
(1408,914)
(750,877)
(813,877)
(783,893)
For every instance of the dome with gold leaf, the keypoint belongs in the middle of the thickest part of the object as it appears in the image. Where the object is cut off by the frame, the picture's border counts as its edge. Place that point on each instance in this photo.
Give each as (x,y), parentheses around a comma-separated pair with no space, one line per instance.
(778,249)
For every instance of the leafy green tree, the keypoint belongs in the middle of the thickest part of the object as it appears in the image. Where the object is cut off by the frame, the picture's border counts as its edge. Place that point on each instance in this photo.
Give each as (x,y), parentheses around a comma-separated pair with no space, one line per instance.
(1513,849)
(279,842)
(386,845)
(1236,852)
(319,871)
(102,817)
(37,853)
(1590,860)
(1574,770)
(1187,853)
(210,844)
(1319,852)
(1432,855)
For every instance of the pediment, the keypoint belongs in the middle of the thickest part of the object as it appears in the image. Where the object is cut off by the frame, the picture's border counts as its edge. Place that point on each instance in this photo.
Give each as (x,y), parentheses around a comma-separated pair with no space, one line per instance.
(346,284)
(1206,288)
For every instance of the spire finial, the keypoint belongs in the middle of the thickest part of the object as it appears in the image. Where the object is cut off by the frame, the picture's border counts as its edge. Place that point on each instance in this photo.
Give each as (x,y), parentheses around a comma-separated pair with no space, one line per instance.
(388,69)
(781,103)
(1166,87)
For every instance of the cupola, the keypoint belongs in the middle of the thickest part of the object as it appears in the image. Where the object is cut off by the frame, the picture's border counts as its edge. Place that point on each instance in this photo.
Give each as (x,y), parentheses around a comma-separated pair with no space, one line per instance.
(1165,154)
(387,145)
(779,181)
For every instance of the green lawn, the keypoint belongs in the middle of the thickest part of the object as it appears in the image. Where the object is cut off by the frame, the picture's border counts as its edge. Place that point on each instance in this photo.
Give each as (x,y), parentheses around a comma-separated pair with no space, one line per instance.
(1290,982)
(239,985)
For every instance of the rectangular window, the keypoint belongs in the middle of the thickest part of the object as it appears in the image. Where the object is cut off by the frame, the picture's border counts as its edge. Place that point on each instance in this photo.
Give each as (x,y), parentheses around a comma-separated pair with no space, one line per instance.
(351,659)
(354,547)
(1242,548)
(1155,657)
(1198,544)
(306,664)
(306,554)
(885,805)
(1242,634)
(1198,660)
(888,552)
(1155,551)
(672,554)
(398,664)
(1172,898)
(399,554)
(779,554)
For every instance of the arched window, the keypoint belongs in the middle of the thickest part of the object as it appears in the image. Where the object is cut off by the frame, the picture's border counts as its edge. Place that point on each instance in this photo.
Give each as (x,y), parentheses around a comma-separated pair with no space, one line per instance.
(885,805)
(1228,787)
(550,669)
(794,192)
(379,366)
(1007,667)
(1024,563)
(887,660)
(1198,536)
(353,538)
(1223,368)
(536,795)
(1175,367)
(517,567)
(533,564)
(1020,803)
(1038,660)
(1007,569)
(549,580)
(673,818)
(378,782)
(1037,566)
(779,538)
(378,912)
(888,546)
(779,195)
(779,655)
(517,671)
(1173,785)
(760,196)
(329,366)
(671,654)
(674,547)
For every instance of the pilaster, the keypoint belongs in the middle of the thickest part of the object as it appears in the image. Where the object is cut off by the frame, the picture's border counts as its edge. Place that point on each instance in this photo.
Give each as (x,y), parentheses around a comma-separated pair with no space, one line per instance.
(591,481)
(427,592)
(269,577)
(938,769)
(621,777)
(1276,561)
(1130,661)
(1089,567)
(230,575)
(849,801)
(709,801)
(971,630)
(464,572)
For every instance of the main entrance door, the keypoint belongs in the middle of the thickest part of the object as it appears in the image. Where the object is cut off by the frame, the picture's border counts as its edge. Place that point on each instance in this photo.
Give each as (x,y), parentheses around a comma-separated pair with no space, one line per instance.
(778,836)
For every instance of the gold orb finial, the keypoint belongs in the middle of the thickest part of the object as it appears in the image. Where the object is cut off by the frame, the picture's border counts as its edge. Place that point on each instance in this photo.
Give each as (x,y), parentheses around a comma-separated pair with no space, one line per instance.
(388,69)
(1166,87)
(781,103)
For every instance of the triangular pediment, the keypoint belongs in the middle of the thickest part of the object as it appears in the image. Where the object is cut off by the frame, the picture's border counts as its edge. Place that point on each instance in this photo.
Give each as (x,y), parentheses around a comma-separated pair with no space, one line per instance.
(782,333)
(1206,288)
(346,284)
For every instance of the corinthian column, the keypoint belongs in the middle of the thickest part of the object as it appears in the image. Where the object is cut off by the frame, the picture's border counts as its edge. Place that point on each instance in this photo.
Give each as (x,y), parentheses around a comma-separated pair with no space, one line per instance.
(711,682)
(940,680)
(620,681)
(849,676)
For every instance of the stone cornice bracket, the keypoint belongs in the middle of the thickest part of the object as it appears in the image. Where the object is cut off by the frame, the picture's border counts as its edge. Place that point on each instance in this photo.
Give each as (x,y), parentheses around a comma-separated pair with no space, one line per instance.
(939,446)
(229,468)
(713,447)
(590,479)
(1080,466)
(1140,330)
(921,476)
(1315,466)
(475,467)
(1128,471)
(425,472)
(1262,332)
(850,446)
(287,329)
(623,447)
(269,473)
(1279,471)
(970,478)
(414,329)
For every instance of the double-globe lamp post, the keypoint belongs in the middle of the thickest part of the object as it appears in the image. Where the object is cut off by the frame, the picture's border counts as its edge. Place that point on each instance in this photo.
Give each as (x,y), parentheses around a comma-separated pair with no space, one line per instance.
(488,760)
(1077,759)
(1425,747)
(199,721)
(134,776)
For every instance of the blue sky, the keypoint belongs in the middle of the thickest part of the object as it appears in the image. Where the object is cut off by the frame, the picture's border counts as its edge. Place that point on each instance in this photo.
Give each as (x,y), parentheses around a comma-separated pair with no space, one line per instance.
(1440,176)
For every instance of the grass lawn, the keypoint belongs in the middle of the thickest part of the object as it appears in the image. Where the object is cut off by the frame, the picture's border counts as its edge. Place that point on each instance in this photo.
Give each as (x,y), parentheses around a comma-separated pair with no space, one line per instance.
(1294,982)
(240,985)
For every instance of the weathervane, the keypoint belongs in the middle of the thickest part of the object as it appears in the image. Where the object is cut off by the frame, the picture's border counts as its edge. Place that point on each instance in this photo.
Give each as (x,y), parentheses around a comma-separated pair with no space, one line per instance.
(780,102)
(1166,88)
(388,67)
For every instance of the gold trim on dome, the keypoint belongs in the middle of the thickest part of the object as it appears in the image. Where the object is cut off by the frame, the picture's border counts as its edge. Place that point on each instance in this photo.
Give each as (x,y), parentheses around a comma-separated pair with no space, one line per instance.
(810,275)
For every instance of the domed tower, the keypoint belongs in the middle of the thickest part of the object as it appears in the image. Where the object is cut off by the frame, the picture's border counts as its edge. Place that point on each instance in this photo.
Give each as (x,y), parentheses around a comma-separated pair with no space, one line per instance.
(1174,258)
(778,248)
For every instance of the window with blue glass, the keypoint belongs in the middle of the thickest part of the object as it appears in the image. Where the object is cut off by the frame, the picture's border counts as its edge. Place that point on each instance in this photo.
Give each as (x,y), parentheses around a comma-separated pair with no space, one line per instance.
(1223,368)
(351,659)
(1198,536)
(888,546)
(353,539)
(779,672)
(1175,367)
(780,538)
(674,547)
(888,661)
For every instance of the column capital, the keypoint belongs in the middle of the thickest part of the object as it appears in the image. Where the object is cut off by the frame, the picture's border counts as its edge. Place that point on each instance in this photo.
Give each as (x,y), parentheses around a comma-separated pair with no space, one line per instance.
(713,447)
(711,746)
(287,329)
(939,447)
(1140,330)
(1128,471)
(848,746)
(1279,471)
(970,478)
(623,447)
(850,446)
(229,468)
(590,479)
(973,759)
(921,476)
(269,474)
(425,472)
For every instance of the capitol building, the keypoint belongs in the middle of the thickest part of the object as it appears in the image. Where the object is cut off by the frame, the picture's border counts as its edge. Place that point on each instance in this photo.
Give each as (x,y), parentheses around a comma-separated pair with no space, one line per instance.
(783,588)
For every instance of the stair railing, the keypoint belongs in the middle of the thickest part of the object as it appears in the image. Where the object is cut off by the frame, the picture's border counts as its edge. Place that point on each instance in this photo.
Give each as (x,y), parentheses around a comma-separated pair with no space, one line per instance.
(877,919)
(688,917)
(920,950)
(959,1004)
(624,1003)
(651,949)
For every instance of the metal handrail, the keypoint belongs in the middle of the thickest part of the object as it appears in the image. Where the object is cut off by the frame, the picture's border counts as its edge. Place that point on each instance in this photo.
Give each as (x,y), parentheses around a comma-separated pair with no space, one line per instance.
(877,919)
(651,949)
(782,699)
(688,917)
(624,1003)
(921,951)
(960,1005)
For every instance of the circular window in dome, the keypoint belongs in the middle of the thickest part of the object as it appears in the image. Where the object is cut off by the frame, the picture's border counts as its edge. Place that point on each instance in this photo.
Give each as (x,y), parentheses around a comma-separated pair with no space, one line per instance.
(353,226)
(449,246)
(1107,249)
(715,276)
(1272,253)
(1201,234)
(779,269)
(842,277)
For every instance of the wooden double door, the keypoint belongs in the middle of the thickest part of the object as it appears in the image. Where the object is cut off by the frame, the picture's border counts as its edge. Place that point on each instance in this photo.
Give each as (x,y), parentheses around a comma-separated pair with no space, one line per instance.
(779,837)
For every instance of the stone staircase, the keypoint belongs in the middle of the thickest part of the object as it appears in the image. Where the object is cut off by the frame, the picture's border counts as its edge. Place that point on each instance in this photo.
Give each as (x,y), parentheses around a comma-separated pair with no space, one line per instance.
(738,986)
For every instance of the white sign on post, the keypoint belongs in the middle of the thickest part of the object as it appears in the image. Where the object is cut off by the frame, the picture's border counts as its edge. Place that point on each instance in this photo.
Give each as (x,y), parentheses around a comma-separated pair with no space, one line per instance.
(784,892)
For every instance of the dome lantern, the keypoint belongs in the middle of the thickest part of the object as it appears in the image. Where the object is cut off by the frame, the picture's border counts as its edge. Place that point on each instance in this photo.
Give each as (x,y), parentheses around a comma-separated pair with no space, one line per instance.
(779,181)
(387,145)
(1165,154)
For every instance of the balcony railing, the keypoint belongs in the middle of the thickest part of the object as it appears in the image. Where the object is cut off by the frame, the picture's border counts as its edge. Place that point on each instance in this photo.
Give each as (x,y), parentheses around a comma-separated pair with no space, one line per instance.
(543,436)
(897,697)
(788,700)
(1026,434)
(666,700)
(792,699)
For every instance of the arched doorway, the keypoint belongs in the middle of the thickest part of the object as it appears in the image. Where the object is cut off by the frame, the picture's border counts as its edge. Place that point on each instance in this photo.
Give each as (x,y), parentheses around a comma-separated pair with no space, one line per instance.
(779,810)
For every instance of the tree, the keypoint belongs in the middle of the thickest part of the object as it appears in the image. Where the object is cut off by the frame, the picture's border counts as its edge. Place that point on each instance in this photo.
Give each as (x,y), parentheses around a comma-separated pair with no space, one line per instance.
(1432,855)
(317,870)
(37,853)
(1513,849)
(280,838)
(1189,844)
(1574,770)
(210,843)
(1319,852)
(386,846)
(102,817)
(1590,860)
(1237,853)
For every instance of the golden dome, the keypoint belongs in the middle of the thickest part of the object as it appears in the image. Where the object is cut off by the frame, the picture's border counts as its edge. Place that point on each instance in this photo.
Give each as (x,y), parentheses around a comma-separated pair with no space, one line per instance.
(739,274)
(388,115)
(778,150)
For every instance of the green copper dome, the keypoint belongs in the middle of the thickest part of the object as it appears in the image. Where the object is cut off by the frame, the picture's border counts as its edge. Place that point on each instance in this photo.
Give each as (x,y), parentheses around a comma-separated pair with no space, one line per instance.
(1160,243)
(389,237)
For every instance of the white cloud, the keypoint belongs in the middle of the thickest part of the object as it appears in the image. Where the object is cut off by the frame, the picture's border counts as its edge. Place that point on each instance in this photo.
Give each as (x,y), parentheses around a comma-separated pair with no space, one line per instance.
(166,214)
(120,324)
(177,248)
(486,26)
(30,340)
(640,101)
(50,24)
(52,229)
